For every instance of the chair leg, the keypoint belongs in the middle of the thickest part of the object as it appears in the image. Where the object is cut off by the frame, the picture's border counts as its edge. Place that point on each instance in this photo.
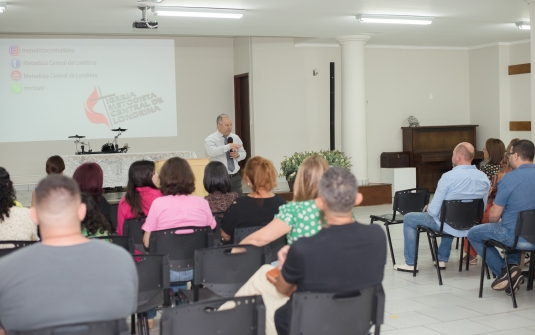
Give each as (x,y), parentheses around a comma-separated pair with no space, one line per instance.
(434,238)
(140,320)
(146,323)
(416,252)
(531,269)
(467,254)
(377,329)
(488,272)
(390,244)
(483,266)
(461,253)
(431,247)
(133,324)
(457,246)
(510,280)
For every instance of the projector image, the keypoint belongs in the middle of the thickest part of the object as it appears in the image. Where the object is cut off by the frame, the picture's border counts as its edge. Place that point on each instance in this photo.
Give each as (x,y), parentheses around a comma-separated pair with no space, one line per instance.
(143,24)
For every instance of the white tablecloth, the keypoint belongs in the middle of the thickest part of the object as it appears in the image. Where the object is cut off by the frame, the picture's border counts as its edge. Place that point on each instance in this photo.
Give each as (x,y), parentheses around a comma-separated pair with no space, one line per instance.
(115,166)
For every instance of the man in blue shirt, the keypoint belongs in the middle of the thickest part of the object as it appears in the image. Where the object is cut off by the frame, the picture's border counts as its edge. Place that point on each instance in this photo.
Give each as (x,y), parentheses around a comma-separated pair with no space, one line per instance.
(464,182)
(515,194)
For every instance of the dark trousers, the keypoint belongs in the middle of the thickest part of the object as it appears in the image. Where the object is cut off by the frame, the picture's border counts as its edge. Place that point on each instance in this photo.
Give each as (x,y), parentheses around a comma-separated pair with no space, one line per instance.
(235,184)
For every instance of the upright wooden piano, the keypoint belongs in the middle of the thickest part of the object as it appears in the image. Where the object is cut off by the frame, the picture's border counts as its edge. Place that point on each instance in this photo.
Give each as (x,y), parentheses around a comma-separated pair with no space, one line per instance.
(430,150)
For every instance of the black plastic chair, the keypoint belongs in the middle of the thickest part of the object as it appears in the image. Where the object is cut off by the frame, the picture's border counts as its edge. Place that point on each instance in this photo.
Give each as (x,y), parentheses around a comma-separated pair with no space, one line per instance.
(218,216)
(221,272)
(13,246)
(241,233)
(132,227)
(459,215)
(337,313)
(154,288)
(405,201)
(525,228)
(125,242)
(113,327)
(248,316)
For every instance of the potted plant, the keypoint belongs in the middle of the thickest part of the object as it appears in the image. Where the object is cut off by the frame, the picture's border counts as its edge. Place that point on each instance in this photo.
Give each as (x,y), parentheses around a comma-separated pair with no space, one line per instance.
(290,164)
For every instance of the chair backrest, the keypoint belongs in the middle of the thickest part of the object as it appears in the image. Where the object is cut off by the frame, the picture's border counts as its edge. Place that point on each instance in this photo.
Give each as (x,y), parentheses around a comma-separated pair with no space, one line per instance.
(525,227)
(153,274)
(224,272)
(218,216)
(411,200)
(180,244)
(245,316)
(113,327)
(337,313)
(132,227)
(461,214)
(125,242)
(241,233)
(7,247)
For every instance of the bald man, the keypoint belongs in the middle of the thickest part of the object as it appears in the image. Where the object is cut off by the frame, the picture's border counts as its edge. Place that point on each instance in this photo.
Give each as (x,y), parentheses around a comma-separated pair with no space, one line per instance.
(463,182)
(66,279)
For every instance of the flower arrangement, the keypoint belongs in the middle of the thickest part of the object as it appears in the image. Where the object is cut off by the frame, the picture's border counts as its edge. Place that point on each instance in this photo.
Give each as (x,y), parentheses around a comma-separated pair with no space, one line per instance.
(290,164)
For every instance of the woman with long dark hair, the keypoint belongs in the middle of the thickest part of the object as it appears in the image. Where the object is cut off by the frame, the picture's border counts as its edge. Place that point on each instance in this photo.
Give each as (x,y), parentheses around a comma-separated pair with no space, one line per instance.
(90,178)
(141,191)
(15,222)
(94,223)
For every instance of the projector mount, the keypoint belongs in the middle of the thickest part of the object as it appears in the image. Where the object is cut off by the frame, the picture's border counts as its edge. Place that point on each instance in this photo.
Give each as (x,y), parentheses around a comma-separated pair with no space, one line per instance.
(144,23)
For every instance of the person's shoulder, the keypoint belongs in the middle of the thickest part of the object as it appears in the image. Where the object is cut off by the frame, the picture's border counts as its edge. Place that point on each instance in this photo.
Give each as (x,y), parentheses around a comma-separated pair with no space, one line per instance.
(20,256)
(19,211)
(278,199)
(209,137)
(107,248)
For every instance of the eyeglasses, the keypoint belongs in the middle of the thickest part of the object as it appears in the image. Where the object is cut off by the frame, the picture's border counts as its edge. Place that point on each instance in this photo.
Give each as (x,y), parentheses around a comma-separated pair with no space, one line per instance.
(510,153)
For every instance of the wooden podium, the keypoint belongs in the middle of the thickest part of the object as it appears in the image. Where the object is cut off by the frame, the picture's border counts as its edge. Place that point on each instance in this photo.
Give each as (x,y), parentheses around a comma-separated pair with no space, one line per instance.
(197,165)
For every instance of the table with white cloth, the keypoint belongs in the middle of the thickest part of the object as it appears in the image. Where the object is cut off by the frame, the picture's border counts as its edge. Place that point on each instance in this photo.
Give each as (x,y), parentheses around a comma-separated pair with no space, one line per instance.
(115,166)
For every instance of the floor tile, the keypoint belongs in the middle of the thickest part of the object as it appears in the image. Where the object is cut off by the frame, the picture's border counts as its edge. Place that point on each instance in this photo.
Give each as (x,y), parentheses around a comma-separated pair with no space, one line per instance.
(504,321)
(411,331)
(439,300)
(450,313)
(490,307)
(401,293)
(404,305)
(520,331)
(409,319)
(464,327)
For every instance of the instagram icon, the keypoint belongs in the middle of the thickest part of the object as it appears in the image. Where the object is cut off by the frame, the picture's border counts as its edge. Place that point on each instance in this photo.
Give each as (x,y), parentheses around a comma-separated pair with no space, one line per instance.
(14,50)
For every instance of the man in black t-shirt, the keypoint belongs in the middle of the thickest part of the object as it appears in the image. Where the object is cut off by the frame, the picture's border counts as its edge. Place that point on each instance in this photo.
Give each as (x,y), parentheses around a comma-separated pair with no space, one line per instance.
(346,256)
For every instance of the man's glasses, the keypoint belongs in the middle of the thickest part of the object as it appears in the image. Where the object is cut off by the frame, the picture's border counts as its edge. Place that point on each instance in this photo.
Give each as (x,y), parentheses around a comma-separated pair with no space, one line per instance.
(509,154)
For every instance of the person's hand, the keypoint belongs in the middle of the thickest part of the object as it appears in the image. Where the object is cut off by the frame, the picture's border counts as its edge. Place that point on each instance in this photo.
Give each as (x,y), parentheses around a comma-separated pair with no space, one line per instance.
(234,154)
(281,256)
(235,146)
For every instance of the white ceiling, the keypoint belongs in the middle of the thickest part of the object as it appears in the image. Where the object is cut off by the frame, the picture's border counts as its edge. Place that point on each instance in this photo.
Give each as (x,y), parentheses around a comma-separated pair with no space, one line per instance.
(461,23)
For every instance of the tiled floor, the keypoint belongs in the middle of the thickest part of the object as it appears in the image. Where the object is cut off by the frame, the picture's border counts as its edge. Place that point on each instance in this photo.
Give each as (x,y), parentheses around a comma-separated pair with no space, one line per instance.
(418,305)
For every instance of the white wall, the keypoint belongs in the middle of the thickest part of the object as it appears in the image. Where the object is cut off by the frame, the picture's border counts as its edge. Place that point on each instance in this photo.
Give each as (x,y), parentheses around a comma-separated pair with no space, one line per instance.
(399,83)
(204,84)
(520,88)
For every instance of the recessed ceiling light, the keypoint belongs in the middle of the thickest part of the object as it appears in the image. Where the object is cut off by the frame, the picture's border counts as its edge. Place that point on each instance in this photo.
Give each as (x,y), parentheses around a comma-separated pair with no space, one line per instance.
(523,25)
(399,19)
(199,12)
(3,6)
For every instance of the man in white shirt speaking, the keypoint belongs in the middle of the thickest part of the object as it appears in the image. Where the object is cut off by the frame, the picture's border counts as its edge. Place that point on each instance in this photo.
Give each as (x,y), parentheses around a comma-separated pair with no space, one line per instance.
(226,147)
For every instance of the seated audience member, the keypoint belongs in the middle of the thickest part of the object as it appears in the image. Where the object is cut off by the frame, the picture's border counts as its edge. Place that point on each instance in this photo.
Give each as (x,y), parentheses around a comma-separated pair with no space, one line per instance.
(94,223)
(54,164)
(90,178)
(259,207)
(141,191)
(15,222)
(66,279)
(217,183)
(515,194)
(177,208)
(463,182)
(298,218)
(493,152)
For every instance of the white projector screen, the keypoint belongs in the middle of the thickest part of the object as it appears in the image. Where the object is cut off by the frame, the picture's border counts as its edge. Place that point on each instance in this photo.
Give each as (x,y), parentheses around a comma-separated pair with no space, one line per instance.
(55,88)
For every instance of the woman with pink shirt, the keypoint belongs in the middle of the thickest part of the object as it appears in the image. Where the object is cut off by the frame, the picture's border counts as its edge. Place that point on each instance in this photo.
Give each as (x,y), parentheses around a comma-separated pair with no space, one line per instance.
(141,191)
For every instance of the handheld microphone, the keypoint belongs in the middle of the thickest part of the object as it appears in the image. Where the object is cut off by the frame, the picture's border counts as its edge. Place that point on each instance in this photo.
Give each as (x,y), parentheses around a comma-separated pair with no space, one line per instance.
(230,140)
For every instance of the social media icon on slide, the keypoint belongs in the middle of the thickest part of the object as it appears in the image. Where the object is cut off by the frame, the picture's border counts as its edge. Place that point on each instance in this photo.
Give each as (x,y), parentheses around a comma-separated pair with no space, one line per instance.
(14,50)
(16,75)
(16,88)
(15,63)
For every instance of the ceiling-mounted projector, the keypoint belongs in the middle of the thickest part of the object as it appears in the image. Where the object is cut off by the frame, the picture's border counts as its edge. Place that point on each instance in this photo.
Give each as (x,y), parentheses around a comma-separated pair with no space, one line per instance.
(144,23)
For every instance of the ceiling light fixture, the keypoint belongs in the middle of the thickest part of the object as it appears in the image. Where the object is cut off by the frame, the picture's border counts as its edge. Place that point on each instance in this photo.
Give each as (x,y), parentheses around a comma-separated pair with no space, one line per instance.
(399,19)
(523,25)
(199,12)
(3,6)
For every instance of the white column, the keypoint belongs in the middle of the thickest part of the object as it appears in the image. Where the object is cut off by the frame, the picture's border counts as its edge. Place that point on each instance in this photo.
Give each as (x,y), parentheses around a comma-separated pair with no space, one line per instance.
(531,4)
(354,104)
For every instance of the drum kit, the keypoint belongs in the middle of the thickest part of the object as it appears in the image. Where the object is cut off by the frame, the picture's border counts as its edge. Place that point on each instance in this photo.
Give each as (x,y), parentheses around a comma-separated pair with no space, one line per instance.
(107,148)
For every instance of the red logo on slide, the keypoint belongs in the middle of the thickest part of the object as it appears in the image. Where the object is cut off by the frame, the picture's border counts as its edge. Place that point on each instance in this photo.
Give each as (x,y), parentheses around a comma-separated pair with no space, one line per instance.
(93,116)
(15,75)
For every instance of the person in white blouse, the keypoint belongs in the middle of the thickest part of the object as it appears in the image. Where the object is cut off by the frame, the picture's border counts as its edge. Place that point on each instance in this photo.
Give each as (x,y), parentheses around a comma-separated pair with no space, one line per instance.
(219,149)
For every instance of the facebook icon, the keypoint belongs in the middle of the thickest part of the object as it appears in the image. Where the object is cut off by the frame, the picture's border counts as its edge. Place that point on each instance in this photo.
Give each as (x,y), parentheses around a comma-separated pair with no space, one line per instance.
(15,63)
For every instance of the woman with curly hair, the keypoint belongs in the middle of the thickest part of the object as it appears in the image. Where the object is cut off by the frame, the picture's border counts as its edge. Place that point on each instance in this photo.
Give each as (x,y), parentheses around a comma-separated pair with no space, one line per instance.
(15,222)
(94,223)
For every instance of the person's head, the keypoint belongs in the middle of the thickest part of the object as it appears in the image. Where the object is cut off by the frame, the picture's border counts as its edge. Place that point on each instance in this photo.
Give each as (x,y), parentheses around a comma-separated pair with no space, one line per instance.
(176,177)
(308,178)
(7,194)
(260,174)
(90,178)
(494,150)
(224,124)
(338,193)
(522,152)
(140,174)
(55,164)
(463,154)
(508,149)
(216,178)
(58,208)
(94,220)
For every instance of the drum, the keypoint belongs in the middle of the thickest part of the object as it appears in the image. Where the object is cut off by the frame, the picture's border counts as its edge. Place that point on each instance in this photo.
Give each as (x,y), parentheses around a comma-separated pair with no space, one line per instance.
(108,147)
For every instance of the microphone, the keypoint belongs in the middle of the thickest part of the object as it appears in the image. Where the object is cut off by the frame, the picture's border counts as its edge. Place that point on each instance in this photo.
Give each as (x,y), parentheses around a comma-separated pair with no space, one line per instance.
(230,140)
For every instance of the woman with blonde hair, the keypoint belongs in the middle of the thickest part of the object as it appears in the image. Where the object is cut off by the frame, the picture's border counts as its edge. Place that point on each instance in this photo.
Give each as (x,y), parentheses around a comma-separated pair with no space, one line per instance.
(300,217)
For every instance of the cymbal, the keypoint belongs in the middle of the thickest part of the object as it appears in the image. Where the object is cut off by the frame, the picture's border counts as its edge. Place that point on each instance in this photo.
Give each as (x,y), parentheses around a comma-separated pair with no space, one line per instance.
(119,129)
(76,136)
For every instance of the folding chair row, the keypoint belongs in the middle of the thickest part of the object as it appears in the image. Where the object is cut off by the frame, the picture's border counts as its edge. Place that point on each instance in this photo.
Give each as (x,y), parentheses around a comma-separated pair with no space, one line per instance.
(10,246)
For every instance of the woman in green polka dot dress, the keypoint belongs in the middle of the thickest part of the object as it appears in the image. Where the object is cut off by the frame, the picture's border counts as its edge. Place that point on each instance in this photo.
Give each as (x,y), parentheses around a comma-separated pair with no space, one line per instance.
(300,217)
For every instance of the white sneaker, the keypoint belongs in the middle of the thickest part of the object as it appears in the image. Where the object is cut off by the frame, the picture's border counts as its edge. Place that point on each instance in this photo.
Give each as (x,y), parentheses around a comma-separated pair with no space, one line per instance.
(441,264)
(405,268)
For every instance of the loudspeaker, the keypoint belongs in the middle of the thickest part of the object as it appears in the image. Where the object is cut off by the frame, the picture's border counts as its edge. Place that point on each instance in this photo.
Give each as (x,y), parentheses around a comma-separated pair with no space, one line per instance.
(331,91)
